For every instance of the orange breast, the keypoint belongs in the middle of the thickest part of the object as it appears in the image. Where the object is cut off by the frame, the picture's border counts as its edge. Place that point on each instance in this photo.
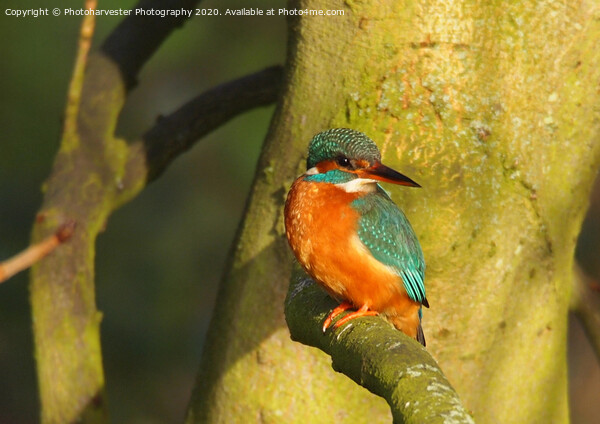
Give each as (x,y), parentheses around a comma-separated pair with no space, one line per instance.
(321,229)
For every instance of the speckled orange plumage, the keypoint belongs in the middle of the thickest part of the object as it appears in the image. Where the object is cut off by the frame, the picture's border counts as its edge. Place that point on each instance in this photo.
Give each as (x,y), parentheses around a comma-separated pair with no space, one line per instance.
(322,230)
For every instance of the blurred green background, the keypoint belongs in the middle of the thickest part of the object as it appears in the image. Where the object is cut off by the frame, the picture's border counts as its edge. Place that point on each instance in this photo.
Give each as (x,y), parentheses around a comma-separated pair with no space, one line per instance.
(161,256)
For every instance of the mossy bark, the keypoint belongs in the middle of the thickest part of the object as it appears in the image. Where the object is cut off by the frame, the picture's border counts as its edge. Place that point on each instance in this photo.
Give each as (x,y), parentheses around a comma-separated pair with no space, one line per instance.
(375,355)
(93,174)
(89,180)
(493,109)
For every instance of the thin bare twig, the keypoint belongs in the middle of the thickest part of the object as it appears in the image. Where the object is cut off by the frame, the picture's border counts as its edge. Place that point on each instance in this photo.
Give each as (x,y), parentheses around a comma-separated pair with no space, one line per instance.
(36,252)
(75,87)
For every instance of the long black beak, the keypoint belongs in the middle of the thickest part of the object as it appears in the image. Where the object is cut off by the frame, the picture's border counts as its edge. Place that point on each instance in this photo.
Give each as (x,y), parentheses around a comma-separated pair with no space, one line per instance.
(380,172)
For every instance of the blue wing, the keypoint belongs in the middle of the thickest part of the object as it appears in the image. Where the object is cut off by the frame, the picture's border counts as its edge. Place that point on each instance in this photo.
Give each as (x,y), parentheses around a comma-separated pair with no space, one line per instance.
(386,232)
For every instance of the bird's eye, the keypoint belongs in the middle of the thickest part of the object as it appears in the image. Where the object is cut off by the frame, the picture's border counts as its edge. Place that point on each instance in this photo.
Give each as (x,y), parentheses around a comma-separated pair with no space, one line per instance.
(343,161)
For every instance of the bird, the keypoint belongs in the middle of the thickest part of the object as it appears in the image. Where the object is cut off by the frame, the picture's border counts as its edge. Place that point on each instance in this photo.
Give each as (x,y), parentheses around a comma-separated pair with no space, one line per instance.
(351,238)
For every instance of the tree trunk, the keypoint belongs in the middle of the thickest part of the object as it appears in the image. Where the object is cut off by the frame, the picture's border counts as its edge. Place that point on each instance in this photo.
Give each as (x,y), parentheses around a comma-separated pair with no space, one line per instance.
(493,109)
(93,174)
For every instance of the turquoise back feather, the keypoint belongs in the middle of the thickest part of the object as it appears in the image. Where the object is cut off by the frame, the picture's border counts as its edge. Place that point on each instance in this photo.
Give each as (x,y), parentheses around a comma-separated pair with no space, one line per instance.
(386,232)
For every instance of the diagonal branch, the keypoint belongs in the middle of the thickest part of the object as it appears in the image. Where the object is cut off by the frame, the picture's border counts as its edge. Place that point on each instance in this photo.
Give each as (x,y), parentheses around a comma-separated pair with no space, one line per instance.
(376,356)
(138,36)
(176,133)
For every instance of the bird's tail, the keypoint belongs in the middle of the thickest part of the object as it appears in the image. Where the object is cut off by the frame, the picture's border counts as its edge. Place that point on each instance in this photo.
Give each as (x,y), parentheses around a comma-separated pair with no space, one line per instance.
(409,324)
(420,335)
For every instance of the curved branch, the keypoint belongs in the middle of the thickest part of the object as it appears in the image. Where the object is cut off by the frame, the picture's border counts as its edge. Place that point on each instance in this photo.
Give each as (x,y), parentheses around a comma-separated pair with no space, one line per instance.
(176,133)
(585,303)
(376,356)
(138,36)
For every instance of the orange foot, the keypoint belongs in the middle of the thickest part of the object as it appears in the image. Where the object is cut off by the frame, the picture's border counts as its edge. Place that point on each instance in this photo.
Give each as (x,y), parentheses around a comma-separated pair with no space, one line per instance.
(362,312)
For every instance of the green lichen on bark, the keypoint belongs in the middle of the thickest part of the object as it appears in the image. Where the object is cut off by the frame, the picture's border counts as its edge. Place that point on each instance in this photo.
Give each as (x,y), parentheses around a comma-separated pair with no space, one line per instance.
(487,106)
(376,356)
(94,173)
(82,188)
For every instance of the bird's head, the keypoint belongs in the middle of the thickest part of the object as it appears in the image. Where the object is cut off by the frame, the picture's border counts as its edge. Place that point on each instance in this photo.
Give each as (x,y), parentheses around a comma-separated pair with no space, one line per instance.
(351,159)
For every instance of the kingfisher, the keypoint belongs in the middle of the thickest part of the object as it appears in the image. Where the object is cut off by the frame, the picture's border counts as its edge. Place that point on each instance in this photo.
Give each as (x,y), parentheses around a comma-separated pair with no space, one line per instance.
(351,238)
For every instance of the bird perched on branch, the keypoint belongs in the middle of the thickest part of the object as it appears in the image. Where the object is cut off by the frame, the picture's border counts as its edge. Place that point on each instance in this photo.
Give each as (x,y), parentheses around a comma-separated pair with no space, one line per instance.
(351,238)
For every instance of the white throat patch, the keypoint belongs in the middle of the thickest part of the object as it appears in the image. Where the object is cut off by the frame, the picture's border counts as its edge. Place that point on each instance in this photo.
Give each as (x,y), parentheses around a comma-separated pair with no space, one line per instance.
(359,185)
